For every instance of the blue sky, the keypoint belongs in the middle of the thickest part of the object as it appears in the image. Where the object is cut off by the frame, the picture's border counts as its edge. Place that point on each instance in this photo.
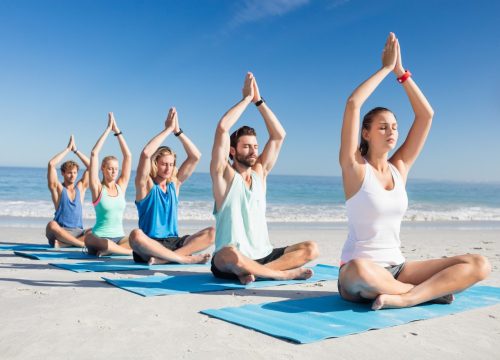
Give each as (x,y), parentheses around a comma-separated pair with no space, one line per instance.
(65,64)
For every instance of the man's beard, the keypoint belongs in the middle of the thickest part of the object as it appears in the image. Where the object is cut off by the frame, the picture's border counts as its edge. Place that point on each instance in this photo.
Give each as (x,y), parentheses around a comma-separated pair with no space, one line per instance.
(245,161)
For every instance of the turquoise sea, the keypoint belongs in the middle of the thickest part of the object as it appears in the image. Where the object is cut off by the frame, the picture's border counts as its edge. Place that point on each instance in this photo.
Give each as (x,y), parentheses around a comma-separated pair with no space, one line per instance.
(305,199)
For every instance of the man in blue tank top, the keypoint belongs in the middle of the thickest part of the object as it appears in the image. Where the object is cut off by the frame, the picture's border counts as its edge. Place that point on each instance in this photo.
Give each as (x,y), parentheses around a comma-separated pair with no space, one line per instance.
(158,183)
(242,247)
(67,227)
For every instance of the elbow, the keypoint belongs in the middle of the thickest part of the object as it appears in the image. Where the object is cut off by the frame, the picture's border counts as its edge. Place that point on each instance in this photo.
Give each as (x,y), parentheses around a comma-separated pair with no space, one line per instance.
(145,155)
(428,116)
(282,135)
(195,157)
(221,129)
(352,103)
(431,113)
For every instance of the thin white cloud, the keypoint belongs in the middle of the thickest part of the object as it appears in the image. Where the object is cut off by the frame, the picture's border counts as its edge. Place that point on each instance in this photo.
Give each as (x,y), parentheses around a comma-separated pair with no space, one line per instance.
(255,10)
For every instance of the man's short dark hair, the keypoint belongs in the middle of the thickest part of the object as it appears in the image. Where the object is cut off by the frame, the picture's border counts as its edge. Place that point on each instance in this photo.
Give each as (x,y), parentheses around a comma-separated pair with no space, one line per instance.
(69,165)
(242,131)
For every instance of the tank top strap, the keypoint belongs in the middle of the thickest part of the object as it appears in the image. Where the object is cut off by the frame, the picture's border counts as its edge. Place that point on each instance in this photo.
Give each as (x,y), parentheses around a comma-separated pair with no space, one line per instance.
(256,181)
(368,175)
(396,175)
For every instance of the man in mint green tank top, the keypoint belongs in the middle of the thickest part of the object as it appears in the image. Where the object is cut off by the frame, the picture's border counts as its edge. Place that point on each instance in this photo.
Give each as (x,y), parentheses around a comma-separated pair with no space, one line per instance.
(242,247)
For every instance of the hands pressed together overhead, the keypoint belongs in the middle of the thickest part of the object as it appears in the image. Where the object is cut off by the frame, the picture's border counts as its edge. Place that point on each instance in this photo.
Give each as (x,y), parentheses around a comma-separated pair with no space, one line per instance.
(391,55)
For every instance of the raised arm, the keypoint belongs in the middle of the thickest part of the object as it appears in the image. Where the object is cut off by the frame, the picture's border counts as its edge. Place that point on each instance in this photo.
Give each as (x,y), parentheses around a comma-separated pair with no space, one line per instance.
(276,132)
(52,180)
(143,168)
(95,183)
(192,152)
(127,156)
(219,165)
(349,155)
(84,180)
(408,152)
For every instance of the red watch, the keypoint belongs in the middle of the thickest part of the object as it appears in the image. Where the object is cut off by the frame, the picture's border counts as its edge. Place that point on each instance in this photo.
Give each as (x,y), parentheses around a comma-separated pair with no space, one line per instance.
(404,77)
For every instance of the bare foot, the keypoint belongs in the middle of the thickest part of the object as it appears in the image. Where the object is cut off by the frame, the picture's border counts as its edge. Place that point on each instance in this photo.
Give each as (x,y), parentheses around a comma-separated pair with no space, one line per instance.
(246,279)
(446,299)
(198,259)
(385,301)
(298,274)
(157,261)
(101,253)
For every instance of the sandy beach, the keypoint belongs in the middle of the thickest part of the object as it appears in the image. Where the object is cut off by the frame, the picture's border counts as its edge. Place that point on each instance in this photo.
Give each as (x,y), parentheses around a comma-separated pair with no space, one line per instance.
(53,313)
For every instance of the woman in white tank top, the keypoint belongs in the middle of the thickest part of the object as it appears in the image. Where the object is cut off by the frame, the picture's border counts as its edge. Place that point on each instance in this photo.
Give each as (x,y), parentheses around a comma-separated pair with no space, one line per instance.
(372,265)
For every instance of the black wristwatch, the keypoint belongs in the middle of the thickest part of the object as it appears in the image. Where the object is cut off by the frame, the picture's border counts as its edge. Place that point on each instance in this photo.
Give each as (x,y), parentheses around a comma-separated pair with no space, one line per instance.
(260,102)
(179,132)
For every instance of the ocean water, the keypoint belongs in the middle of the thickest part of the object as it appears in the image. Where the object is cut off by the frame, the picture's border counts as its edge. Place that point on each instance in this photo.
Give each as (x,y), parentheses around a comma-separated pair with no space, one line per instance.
(304,199)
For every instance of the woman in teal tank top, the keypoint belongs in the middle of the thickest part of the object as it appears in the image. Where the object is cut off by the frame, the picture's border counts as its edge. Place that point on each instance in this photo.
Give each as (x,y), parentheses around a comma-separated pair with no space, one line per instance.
(157,186)
(108,197)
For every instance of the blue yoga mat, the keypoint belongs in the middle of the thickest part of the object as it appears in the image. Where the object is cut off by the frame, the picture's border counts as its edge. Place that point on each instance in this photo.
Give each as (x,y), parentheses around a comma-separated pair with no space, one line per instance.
(34,247)
(126,265)
(318,318)
(205,282)
(64,255)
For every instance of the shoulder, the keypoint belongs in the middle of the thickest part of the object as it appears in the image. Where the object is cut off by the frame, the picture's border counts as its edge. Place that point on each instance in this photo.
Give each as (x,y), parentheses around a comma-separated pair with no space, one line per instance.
(400,168)
(259,170)
(227,175)
(174,184)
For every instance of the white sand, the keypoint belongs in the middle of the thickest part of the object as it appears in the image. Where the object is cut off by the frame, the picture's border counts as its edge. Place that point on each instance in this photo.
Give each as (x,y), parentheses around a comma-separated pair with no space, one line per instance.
(50,313)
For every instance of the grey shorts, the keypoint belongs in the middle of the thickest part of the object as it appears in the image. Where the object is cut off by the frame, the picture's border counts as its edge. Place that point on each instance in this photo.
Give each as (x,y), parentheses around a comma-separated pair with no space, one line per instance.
(395,270)
(116,240)
(76,232)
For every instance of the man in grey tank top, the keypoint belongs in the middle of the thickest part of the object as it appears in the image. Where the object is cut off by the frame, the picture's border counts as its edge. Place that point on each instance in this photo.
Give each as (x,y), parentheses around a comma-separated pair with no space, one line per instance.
(242,247)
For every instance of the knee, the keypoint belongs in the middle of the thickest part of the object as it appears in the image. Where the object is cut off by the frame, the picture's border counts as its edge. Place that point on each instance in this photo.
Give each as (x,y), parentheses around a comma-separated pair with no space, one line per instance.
(227,256)
(211,235)
(482,266)
(87,238)
(136,237)
(52,225)
(90,239)
(359,269)
(311,250)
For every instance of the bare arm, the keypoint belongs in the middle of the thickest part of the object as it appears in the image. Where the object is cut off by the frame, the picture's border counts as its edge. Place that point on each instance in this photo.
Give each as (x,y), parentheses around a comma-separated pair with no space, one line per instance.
(95,183)
(220,171)
(52,181)
(408,152)
(83,183)
(143,168)
(192,152)
(127,157)
(349,152)
(350,158)
(276,132)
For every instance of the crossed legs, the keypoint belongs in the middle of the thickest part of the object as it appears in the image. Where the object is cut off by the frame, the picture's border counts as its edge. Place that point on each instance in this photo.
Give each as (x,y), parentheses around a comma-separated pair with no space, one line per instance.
(62,237)
(158,254)
(286,267)
(418,282)
(101,246)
